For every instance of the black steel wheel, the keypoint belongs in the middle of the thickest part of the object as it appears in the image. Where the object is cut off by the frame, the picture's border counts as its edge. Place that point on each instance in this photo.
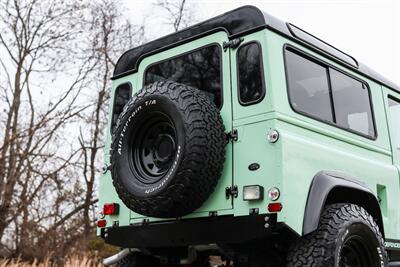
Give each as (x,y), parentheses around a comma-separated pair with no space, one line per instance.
(154,146)
(356,252)
(347,236)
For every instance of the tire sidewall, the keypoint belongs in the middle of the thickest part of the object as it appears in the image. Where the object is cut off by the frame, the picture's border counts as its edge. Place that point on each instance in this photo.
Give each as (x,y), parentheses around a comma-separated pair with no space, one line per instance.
(359,228)
(123,139)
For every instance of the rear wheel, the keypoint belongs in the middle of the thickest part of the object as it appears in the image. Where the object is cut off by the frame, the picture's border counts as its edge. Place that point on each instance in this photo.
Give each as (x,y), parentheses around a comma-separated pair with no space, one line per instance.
(347,236)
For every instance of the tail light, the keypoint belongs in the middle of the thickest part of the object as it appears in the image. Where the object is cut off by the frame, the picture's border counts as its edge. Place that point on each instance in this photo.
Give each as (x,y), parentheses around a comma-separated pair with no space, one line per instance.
(111,209)
(275,207)
(101,223)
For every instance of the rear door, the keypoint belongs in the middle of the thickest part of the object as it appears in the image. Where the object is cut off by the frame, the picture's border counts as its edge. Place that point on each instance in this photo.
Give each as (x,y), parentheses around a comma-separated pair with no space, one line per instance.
(251,105)
(204,64)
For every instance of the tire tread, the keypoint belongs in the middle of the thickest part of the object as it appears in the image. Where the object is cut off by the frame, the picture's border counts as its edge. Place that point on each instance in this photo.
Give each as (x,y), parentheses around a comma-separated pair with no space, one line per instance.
(317,248)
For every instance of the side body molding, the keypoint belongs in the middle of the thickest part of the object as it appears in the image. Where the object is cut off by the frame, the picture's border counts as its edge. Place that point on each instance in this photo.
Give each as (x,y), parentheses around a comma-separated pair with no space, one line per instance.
(330,187)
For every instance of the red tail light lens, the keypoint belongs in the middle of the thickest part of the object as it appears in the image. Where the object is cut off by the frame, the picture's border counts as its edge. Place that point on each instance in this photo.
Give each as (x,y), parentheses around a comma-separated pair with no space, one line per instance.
(101,223)
(275,207)
(110,209)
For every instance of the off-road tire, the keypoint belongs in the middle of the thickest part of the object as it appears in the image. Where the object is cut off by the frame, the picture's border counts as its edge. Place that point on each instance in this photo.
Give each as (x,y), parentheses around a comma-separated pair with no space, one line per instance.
(338,224)
(138,260)
(198,164)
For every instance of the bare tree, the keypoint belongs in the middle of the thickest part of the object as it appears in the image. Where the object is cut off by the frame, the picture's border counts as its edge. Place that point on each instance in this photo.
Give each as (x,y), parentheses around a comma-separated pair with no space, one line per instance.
(111,35)
(179,14)
(36,39)
(56,61)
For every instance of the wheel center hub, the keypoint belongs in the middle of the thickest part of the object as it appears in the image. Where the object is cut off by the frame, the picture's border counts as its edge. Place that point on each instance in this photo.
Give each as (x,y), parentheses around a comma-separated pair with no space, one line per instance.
(164,148)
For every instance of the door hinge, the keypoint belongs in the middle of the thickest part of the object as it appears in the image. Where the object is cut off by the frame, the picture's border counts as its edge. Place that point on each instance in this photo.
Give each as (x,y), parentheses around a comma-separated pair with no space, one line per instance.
(106,168)
(231,192)
(234,43)
(232,135)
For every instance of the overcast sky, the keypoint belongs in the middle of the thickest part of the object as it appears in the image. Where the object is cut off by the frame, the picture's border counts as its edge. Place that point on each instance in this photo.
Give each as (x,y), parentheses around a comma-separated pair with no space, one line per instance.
(368,30)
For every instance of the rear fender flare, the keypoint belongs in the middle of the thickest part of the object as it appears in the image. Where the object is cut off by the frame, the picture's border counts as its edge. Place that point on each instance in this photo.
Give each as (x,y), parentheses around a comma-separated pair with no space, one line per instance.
(327,186)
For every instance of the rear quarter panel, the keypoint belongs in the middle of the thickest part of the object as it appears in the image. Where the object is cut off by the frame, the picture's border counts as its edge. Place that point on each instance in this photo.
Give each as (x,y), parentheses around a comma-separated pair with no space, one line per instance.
(309,146)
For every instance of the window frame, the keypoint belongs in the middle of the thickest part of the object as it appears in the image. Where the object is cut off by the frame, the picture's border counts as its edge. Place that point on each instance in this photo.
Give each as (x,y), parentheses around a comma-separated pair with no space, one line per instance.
(263,93)
(390,97)
(187,53)
(328,66)
(114,102)
(393,98)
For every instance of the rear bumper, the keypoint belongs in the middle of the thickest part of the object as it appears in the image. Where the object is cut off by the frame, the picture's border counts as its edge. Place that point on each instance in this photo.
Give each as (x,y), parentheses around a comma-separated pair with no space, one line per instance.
(212,230)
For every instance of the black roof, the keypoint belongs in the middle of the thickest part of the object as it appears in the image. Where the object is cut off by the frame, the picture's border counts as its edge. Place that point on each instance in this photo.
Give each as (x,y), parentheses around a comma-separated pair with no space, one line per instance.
(235,23)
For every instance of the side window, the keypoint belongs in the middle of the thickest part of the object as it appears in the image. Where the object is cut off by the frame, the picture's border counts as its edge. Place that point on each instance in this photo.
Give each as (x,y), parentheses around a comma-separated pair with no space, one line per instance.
(394,122)
(250,74)
(352,103)
(121,97)
(308,87)
(322,92)
(200,68)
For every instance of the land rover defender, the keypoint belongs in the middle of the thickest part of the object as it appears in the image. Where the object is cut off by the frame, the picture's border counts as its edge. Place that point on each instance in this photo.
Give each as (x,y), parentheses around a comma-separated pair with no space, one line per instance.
(249,139)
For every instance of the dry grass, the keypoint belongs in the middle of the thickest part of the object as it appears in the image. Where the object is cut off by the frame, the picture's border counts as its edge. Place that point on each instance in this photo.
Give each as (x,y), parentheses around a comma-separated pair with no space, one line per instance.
(76,261)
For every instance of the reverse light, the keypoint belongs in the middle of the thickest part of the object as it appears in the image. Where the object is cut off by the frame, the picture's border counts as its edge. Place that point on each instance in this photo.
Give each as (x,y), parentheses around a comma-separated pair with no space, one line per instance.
(101,223)
(110,209)
(275,207)
(253,192)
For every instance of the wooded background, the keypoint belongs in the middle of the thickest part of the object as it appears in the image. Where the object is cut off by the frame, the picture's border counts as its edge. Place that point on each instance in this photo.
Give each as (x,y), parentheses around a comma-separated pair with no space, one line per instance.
(56,60)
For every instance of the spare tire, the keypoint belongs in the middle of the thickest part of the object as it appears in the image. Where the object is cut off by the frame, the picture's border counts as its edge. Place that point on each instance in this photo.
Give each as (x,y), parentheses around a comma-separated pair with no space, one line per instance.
(168,150)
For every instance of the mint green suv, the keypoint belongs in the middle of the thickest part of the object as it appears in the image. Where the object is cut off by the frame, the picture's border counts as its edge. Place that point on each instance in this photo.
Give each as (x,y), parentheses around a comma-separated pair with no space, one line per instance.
(249,139)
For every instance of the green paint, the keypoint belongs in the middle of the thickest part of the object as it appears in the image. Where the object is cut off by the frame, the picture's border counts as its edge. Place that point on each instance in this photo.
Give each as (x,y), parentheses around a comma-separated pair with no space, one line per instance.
(305,146)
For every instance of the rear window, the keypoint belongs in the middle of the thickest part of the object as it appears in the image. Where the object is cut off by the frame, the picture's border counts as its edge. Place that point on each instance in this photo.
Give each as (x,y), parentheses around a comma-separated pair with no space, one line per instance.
(121,97)
(352,103)
(200,68)
(320,91)
(251,85)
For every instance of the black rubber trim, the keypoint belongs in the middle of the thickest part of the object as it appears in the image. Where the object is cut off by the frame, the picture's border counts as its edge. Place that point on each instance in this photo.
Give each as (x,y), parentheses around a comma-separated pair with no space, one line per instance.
(210,230)
(322,184)
(233,22)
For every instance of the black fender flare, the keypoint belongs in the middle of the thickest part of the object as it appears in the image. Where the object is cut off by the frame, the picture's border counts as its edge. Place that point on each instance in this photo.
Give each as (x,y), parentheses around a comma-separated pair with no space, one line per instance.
(325,182)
